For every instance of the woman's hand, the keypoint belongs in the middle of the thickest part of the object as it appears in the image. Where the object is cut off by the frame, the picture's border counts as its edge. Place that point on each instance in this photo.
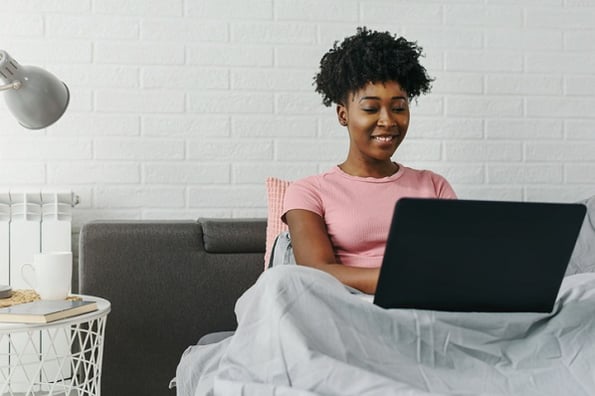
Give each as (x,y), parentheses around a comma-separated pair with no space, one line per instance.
(312,247)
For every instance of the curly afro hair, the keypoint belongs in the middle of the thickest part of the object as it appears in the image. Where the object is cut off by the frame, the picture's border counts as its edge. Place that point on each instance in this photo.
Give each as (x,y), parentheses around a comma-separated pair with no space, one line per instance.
(370,56)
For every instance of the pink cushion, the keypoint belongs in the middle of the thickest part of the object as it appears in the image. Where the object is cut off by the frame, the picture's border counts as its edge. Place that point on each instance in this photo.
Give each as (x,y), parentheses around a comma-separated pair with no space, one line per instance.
(275,194)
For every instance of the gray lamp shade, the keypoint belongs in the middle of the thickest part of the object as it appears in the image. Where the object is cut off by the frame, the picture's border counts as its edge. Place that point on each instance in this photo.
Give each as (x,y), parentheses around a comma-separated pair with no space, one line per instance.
(37,98)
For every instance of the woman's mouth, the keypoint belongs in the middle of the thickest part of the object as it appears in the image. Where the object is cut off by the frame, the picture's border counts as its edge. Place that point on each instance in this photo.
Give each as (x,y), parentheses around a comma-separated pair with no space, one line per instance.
(384,138)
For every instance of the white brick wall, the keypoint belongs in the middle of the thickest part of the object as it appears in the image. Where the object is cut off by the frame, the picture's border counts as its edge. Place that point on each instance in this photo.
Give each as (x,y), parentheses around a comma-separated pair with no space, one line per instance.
(182,108)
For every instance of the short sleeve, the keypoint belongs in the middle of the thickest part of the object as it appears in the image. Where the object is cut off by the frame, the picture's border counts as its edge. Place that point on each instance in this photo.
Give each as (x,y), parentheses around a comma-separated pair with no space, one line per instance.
(303,194)
(443,188)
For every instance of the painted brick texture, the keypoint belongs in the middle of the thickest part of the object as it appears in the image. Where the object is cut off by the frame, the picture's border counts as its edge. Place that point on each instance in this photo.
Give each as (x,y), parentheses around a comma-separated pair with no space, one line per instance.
(182,108)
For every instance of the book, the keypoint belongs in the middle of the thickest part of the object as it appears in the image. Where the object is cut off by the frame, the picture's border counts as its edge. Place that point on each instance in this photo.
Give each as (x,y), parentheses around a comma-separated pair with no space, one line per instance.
(45,311)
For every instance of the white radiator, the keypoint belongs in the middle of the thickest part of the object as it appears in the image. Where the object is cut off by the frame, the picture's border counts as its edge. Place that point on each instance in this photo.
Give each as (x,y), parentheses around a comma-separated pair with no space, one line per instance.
(30,222)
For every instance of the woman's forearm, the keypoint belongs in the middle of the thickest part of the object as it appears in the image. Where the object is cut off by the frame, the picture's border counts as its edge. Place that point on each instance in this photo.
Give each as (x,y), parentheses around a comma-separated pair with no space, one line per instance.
(364,279)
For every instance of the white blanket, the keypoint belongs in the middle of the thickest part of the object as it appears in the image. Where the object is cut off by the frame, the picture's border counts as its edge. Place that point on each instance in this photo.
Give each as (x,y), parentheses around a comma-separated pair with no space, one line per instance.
(301,333)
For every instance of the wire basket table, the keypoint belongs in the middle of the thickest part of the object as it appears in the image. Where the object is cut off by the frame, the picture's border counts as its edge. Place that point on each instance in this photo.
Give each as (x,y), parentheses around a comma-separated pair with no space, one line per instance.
(58,358)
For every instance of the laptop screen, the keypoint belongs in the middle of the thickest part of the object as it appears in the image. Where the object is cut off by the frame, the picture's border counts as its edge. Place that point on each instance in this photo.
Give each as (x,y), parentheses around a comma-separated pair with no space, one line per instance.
(470,255)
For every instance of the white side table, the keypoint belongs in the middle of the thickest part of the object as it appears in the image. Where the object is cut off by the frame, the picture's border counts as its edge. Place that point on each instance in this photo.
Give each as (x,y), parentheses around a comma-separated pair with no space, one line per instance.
(59,358)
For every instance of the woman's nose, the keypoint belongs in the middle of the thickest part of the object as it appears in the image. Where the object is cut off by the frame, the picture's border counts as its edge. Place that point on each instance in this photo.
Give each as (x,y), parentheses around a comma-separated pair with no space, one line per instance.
(385,119)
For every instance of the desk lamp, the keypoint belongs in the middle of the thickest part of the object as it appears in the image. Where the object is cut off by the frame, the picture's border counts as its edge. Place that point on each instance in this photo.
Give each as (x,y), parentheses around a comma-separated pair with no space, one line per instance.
(35,97)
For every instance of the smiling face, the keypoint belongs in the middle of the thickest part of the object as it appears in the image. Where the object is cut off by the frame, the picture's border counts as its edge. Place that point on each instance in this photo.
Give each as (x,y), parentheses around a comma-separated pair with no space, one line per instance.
(377,117)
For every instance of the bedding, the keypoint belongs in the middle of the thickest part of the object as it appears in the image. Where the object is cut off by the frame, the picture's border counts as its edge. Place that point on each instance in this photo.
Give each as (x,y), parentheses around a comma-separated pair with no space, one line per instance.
(301,332)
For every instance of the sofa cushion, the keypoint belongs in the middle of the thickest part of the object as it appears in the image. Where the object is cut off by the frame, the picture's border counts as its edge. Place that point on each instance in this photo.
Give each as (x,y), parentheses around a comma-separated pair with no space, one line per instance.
(583,256)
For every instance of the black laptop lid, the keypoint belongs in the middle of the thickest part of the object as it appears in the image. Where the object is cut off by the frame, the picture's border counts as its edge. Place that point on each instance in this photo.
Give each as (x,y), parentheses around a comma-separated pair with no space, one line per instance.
(482,256)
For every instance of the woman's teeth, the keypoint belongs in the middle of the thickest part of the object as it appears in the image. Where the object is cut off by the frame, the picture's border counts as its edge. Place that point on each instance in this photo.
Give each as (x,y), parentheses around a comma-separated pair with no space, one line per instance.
(383,138)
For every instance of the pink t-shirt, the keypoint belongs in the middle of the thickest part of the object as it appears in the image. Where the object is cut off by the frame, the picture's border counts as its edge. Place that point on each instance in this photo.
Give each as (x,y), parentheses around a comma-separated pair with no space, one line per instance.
(358,210)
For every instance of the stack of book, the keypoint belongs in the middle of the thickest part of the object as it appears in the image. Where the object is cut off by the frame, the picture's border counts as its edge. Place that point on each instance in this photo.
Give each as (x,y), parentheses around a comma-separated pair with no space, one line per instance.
(45,311)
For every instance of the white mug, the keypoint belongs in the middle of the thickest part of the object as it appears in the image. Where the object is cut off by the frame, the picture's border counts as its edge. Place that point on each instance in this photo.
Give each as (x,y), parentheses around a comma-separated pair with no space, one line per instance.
(50,275)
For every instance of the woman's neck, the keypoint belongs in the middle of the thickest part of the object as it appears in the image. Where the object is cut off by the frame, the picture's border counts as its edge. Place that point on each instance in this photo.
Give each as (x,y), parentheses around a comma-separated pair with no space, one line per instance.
(370,170)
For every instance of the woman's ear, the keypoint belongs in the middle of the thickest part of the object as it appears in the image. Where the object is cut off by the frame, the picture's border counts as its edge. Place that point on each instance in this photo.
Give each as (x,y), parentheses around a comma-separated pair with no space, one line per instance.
(342,114)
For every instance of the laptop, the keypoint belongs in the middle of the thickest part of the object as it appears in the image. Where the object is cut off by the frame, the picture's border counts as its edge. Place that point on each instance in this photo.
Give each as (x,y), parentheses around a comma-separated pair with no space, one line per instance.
(477,256)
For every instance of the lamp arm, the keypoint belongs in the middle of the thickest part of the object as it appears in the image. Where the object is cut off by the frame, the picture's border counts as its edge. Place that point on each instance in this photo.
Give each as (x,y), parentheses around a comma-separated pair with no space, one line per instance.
(13,85)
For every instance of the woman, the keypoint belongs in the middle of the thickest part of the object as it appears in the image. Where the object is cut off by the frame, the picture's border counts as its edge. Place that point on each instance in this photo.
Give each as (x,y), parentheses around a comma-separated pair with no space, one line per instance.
(339,220)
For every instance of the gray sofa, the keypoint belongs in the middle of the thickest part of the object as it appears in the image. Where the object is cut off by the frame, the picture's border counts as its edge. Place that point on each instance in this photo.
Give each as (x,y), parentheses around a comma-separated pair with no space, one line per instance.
(169,283)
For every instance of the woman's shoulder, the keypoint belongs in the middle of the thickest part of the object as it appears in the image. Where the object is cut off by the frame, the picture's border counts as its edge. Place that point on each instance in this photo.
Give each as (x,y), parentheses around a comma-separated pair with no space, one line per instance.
(421,173)
(314,181)
(425,178)
(307,193)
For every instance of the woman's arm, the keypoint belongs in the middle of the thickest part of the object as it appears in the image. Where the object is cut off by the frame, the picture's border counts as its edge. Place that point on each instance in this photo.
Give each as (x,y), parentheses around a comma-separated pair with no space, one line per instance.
(312,247)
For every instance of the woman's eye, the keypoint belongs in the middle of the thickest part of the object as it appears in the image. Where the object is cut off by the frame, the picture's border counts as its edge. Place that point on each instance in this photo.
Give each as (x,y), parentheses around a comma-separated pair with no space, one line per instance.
(369,110)
(398,109)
